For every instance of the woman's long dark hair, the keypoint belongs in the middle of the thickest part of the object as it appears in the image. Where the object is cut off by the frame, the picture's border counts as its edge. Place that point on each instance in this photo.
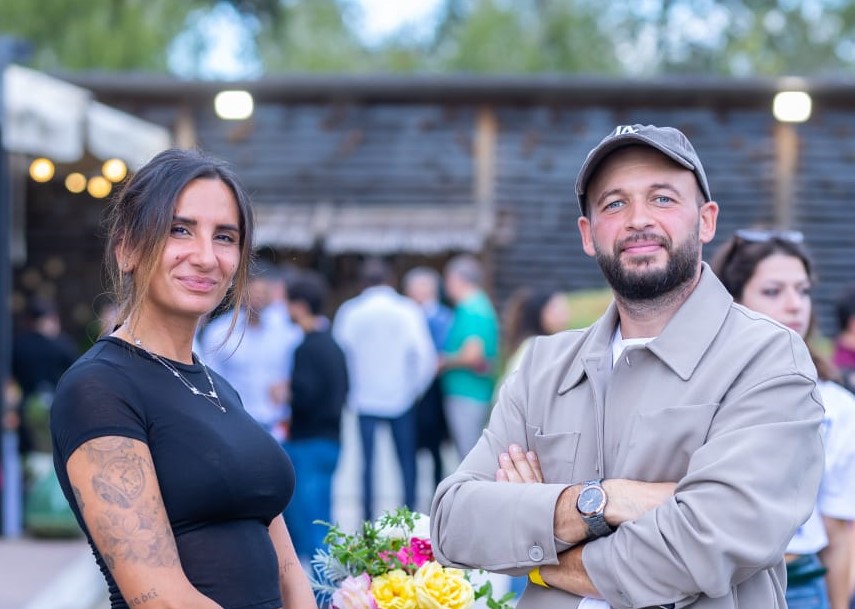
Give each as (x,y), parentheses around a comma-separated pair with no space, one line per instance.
(735,263)
(524,316)
(139,219)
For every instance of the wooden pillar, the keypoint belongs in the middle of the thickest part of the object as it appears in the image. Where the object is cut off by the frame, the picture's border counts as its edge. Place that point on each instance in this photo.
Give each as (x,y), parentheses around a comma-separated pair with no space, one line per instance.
(486,129)
(185,128)
(484,181)
(786,164)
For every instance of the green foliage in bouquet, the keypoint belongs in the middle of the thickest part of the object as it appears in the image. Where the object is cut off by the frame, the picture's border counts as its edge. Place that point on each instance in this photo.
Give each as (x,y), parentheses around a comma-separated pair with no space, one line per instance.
(373,548)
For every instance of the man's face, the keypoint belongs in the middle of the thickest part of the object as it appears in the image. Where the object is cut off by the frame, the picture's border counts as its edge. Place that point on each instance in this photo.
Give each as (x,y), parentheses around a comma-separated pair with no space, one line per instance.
(259,293)
(453,286)
(421,289)
(645,226)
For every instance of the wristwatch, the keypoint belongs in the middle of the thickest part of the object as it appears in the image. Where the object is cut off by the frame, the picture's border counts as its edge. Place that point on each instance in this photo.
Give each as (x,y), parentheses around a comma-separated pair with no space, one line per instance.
(591,505)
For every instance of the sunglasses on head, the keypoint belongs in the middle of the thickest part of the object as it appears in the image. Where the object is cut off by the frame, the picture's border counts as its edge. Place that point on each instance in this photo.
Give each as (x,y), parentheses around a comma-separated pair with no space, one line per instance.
(765,235)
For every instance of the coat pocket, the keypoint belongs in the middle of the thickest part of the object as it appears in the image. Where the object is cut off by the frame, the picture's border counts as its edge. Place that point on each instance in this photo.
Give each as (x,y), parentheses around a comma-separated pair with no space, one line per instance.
(556,452)
(662,441)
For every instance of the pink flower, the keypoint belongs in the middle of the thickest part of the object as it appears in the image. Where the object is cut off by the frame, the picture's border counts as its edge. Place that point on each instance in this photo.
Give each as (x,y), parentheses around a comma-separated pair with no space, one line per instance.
(354,593)
(414,555)
(421,550)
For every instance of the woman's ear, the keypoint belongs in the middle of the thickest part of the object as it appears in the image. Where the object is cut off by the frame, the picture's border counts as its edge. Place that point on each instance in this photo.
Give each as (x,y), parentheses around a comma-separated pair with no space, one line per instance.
(126,260)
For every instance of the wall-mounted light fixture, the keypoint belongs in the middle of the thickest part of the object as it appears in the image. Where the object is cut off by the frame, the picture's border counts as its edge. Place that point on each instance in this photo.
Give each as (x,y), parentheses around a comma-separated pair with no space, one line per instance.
(792,106)
(233,105)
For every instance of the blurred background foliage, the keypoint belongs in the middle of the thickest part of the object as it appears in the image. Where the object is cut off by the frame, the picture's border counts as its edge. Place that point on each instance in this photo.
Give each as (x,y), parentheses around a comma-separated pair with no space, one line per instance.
(619,37)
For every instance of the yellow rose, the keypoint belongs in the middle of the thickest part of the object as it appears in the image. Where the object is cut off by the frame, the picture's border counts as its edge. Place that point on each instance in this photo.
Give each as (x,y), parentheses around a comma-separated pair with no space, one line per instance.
(439,587)
(394,590)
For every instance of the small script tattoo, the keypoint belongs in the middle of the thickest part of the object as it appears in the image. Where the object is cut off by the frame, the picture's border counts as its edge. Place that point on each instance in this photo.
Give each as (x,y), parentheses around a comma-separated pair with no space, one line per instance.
(142,598)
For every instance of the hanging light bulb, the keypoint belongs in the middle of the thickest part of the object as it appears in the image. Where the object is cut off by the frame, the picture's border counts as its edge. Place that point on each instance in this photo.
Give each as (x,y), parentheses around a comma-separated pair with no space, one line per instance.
(75,182)
(114,170)
(99,187)
(42,170)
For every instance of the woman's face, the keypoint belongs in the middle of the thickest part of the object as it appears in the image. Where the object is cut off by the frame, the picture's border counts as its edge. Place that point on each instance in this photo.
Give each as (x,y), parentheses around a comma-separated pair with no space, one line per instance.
(201,255)
(780,288)
(555,316)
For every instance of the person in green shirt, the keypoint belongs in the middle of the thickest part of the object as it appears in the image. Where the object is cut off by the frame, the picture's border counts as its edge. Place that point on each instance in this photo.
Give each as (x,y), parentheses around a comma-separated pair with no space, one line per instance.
(470,353)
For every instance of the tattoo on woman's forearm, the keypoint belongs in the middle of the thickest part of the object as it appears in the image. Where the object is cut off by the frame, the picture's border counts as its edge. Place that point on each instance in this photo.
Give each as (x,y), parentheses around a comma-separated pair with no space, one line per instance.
(286,566)
(142,598)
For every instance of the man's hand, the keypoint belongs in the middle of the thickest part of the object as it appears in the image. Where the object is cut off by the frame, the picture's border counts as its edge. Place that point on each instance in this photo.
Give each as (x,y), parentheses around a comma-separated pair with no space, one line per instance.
(630,499)
(519,466)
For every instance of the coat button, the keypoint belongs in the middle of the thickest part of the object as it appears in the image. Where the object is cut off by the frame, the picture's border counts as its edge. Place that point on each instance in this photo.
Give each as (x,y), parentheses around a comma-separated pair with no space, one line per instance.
(535,553)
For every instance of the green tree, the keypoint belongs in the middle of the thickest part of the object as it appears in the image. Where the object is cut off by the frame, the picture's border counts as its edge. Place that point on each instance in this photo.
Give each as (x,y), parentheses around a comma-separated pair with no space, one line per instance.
(735,37)
(525,36)
(311,36)
(103,34)
(724,37)
(114,34)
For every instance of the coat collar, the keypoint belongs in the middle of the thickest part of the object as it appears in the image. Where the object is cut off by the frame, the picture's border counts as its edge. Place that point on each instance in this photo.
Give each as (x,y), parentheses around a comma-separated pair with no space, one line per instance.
(682,343)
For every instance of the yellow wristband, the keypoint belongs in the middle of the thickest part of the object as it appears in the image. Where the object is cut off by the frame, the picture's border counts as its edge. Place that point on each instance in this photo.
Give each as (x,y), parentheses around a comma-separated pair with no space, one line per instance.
(534,576)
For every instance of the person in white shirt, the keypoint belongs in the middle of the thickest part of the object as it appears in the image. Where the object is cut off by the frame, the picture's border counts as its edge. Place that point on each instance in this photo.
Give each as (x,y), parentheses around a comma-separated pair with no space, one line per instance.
(256,357)
(390,362)
(770,272)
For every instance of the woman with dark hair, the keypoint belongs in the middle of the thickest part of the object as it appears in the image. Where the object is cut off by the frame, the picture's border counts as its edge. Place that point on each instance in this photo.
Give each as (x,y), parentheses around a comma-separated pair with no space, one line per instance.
(179,491)
(771,273)
(531,313)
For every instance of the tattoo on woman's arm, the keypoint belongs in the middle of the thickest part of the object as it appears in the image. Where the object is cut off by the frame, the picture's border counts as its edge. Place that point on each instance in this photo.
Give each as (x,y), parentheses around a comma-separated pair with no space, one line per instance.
(132,526)
(78,497)
(286,566)
(141,599)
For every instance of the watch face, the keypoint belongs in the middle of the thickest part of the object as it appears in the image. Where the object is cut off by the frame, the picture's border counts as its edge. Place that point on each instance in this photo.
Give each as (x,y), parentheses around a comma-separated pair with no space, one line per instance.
(591,500)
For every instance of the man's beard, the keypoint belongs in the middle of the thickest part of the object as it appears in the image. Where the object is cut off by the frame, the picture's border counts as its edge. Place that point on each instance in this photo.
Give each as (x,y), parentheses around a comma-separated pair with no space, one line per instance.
(639,282)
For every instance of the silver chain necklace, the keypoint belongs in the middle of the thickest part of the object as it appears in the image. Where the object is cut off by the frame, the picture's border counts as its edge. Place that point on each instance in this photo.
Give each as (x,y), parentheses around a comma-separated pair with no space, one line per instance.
(211,396)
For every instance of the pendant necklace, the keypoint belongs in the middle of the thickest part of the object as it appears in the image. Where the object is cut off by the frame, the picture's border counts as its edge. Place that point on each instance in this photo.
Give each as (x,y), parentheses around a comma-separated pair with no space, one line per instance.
(211,396)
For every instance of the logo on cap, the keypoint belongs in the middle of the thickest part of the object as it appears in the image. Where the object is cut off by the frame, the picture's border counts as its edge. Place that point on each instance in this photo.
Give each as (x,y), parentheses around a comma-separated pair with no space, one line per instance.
(624,129)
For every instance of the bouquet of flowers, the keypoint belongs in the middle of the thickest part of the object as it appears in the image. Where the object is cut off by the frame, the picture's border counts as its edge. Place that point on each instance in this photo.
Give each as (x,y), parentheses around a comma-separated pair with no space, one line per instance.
(389,564)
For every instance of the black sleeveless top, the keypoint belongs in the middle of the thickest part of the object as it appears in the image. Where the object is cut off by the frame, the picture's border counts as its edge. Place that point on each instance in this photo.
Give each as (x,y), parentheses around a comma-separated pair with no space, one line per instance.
(222,477)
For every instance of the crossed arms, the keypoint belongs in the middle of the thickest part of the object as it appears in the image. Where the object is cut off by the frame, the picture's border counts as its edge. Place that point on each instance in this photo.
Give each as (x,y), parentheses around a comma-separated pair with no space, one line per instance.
(628,500)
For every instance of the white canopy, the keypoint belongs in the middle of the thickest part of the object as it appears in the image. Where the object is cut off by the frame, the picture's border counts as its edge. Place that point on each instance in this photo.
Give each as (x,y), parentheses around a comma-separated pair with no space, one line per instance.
(45,116)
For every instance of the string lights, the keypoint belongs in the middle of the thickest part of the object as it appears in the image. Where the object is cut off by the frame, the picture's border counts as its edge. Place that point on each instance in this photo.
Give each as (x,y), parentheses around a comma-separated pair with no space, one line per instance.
(42,170)
(99,186)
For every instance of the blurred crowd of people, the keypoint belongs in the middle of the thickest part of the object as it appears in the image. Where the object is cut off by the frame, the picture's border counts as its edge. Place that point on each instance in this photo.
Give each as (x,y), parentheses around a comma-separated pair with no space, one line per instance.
(423,361)
(427,362)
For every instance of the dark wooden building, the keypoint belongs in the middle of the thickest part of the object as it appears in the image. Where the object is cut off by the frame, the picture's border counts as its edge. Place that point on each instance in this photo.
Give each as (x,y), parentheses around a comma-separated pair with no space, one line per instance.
(420,168)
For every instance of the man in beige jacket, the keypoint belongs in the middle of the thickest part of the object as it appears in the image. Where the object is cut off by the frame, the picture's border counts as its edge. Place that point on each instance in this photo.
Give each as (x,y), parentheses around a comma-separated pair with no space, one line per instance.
(663,457)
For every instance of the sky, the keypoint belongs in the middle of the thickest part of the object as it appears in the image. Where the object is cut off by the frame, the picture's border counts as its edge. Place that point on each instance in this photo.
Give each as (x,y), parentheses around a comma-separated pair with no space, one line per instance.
(383,17)
(224,60)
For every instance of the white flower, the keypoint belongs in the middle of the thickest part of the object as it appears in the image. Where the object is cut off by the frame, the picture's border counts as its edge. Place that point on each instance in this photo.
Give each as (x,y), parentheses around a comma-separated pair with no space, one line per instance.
(421,528)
